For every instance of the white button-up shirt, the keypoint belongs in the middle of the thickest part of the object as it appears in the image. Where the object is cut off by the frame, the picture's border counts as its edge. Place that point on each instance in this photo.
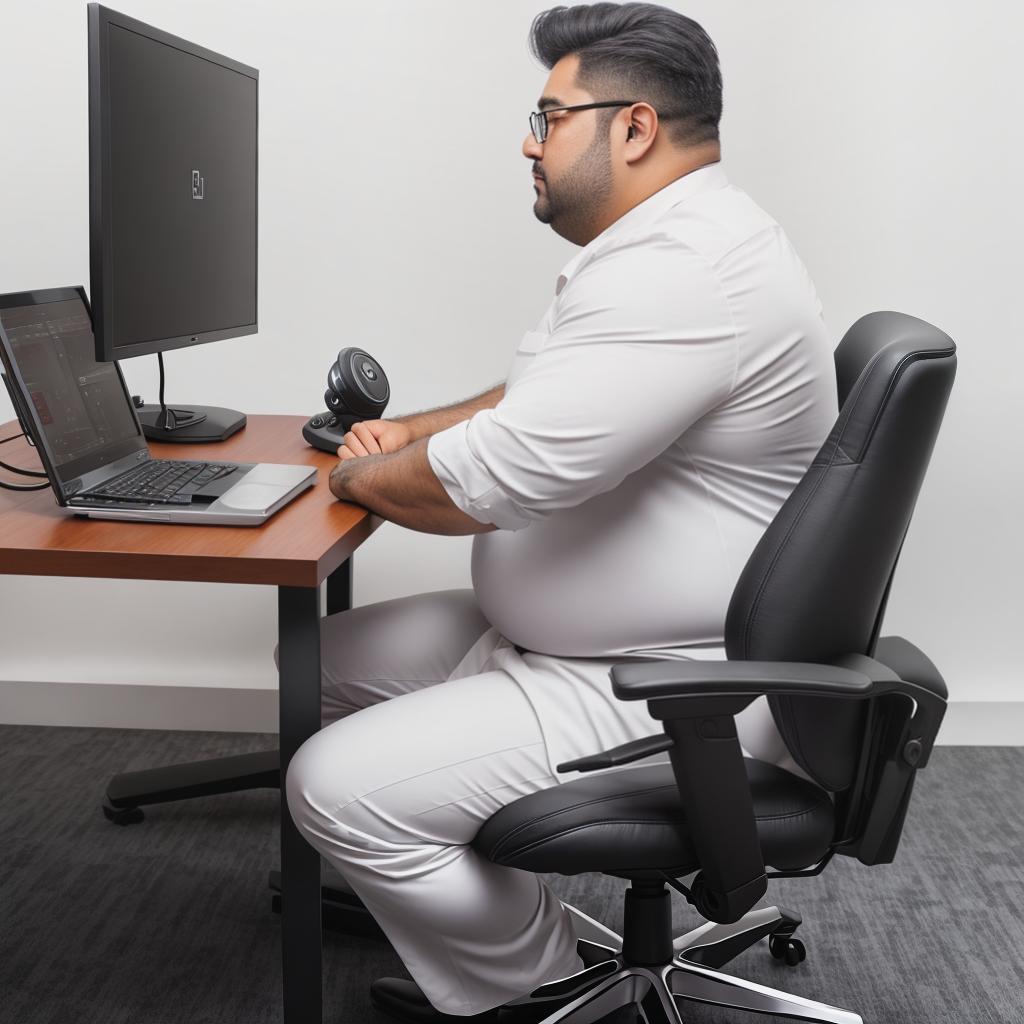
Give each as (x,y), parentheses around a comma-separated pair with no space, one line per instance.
(653,423)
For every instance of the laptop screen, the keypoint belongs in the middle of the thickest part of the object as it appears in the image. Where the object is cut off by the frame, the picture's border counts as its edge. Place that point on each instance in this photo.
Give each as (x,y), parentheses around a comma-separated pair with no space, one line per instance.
(80,405)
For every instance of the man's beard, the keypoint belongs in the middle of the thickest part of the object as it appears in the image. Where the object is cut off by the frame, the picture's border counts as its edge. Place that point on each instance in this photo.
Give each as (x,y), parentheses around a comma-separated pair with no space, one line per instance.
(575,202)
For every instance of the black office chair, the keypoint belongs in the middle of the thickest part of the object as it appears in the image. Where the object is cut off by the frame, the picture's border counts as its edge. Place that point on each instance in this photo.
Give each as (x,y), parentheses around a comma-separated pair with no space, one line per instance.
(859,714)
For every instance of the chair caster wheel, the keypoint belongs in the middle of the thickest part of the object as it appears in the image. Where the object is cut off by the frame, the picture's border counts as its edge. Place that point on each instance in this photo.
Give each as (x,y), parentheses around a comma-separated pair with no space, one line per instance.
(785,947)
(123,815)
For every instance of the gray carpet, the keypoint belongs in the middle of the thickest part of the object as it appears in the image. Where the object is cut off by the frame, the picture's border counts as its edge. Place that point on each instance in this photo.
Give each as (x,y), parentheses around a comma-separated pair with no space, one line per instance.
(169,921)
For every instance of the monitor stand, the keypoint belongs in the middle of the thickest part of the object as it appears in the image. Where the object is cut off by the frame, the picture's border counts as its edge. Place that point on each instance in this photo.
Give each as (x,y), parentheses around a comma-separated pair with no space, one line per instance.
(195,424)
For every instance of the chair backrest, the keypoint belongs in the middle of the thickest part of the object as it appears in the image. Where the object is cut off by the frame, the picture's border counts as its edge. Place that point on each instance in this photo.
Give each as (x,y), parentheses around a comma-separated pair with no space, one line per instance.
(815,587)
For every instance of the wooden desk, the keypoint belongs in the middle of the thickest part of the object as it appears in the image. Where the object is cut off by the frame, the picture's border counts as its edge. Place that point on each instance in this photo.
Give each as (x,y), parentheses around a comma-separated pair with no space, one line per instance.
(310,540)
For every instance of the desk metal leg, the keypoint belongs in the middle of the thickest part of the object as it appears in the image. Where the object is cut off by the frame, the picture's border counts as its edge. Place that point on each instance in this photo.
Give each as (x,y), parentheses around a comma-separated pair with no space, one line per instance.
(339,588)
(301,939)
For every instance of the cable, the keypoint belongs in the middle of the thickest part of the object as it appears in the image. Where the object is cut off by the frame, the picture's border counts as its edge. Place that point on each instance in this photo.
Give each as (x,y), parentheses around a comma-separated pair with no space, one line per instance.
(16,469)
(24,487)
(23,472)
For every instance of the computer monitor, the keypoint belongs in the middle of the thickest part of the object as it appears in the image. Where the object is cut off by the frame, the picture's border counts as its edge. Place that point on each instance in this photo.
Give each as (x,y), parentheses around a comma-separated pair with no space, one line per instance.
(172,201)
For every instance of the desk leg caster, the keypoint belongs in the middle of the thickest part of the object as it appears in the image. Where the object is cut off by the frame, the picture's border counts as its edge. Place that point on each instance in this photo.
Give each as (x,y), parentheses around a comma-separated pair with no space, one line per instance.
(123,815)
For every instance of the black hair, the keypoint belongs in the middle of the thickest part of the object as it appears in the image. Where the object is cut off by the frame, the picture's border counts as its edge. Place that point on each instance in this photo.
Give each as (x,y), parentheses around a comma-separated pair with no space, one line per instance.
(657,55)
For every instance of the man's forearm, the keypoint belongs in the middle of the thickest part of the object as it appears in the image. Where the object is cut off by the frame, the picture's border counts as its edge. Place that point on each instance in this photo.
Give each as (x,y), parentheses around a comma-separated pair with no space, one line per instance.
(424,424)
(403,488)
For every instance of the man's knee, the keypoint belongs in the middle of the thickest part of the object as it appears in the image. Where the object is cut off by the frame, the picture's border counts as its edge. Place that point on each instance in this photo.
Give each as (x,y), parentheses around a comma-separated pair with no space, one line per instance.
(314,786)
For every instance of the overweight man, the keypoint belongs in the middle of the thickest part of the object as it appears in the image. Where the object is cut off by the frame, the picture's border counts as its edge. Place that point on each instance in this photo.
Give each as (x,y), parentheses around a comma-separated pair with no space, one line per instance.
(652,422)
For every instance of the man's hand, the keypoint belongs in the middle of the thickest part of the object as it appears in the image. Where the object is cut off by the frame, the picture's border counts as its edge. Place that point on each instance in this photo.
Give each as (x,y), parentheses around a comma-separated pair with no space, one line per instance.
(374,437)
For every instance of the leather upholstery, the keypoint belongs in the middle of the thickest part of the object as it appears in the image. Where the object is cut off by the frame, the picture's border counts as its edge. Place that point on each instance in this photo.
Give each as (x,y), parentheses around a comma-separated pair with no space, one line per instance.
(910,664)
(815,586)
(629,820)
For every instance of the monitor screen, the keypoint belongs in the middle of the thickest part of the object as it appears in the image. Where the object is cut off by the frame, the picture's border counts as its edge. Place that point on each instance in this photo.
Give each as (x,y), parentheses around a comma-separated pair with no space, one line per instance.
(80,404)
(173,190)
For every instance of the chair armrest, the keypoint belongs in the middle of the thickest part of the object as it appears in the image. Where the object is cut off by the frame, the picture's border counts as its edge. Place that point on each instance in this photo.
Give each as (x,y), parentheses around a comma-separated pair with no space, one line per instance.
(697,702)
(695,689)
(651,680)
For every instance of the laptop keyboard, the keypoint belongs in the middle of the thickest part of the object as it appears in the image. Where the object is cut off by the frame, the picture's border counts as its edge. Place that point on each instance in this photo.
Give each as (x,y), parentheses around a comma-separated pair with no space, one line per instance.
(162,481)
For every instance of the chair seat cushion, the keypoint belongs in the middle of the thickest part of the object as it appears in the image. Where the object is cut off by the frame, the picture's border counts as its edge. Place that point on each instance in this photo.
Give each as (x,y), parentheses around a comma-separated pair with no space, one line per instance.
(628,820)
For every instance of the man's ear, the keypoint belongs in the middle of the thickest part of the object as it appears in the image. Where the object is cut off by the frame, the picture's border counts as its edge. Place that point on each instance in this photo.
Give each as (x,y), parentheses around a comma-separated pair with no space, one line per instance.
(641,122)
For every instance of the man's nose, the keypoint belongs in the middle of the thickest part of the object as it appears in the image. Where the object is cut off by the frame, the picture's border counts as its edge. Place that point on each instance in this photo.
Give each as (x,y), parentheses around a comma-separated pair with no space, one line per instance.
(532,149)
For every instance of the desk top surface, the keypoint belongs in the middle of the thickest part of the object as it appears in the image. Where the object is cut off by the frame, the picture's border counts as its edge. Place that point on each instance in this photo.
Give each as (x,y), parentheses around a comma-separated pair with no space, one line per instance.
(299,546)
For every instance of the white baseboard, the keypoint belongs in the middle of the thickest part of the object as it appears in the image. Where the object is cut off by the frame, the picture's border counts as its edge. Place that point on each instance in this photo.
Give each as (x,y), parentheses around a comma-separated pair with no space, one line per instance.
(230,709)
(123,706)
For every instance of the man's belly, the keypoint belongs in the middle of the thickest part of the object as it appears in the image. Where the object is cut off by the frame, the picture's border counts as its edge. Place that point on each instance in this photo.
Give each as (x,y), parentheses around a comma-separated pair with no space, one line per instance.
(604,582)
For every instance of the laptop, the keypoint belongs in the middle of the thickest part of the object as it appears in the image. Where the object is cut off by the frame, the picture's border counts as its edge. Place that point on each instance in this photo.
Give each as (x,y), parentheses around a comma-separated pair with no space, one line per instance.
(79,416)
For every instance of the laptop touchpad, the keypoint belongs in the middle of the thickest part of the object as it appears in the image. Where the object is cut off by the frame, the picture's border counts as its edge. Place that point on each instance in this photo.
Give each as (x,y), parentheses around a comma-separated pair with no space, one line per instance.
(252,495)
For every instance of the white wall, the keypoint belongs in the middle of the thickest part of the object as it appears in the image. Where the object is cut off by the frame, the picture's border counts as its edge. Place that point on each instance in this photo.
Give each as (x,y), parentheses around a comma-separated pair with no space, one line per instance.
(395,214)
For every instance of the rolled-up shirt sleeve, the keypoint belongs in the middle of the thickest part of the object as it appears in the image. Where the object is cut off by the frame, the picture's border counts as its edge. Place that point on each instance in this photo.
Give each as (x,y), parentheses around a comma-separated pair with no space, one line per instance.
(642,345)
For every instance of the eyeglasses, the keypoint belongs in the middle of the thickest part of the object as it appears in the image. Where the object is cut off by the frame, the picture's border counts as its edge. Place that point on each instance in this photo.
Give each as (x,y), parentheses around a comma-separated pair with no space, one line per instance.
(539,119)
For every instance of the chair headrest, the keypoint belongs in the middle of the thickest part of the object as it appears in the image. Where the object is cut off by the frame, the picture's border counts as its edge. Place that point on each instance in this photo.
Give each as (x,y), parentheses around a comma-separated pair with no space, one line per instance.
(869,360)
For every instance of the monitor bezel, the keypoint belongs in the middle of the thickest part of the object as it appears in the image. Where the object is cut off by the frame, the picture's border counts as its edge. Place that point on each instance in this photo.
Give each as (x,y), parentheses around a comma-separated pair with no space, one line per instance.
(100,243)
(63,477)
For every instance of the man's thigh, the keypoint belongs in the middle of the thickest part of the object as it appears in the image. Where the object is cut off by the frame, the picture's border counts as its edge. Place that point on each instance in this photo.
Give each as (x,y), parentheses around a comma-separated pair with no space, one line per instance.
(381,650)
(429,766)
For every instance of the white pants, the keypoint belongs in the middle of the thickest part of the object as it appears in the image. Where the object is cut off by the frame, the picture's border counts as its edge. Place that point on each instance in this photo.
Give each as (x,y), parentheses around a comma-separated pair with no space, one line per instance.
(427,734)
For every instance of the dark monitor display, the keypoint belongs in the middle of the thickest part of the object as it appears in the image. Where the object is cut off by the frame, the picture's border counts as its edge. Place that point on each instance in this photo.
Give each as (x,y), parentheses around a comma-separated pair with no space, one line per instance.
(172,190)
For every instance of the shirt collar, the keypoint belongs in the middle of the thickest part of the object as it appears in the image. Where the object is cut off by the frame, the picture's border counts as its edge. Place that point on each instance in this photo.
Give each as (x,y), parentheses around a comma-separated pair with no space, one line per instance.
(708,178)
